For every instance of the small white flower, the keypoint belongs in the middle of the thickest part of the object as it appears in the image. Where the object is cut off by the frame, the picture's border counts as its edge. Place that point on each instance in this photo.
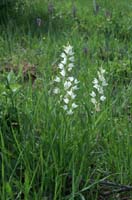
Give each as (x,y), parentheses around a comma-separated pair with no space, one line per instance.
(63,55)
(96,86)
(95,81)
(64,61)
(70,65)
(71,59)
(93,100)
(71,94)
(100,90)
(103,98)
(74,105)
(65,107)
(57,79)
(68,50)
(66,100)
(75,88)
(93,94)
(63,73)
(71,78)
(70,112)
(67,85)
(104,83)
(56,91)
(76,81)
(61,66)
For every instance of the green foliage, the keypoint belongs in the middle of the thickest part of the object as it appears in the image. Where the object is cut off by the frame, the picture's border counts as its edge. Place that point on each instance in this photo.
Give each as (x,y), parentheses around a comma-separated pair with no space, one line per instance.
(45,154)
(5,2)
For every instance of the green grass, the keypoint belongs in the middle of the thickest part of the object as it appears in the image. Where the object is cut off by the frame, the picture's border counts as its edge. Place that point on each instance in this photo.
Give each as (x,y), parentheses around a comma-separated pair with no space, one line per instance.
(45,154)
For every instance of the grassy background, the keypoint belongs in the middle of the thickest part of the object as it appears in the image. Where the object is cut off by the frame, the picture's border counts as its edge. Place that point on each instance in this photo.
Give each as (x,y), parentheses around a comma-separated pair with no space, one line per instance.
(45,154)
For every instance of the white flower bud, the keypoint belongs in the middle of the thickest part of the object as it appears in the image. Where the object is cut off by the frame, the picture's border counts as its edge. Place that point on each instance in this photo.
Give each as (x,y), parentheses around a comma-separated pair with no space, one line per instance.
(74,105)
(65,107)
(56,91)
(71,59)
(93,100)
(63,55)
(102,98)
(66,100)
(64,61)
(71,78)
(67,85)
(70,112)
(61,66)
(57,79)
(63,73)
(93,94)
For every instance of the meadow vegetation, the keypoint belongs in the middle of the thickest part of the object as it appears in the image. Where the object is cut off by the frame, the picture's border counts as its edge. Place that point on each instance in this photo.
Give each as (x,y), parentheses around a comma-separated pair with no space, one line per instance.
(46,153)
